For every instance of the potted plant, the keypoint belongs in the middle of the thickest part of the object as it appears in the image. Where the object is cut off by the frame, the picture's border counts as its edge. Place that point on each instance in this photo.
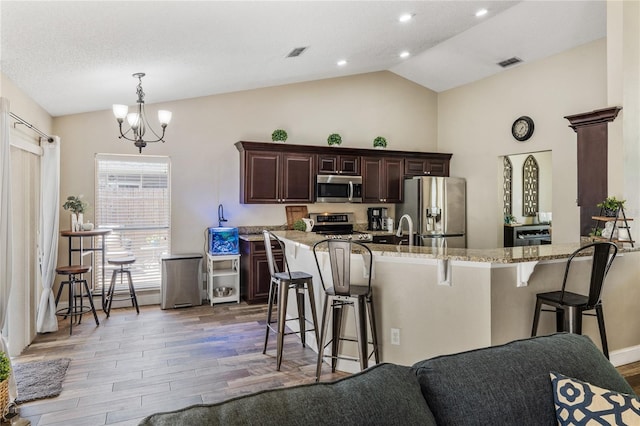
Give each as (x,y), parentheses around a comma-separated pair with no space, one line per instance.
(610,206)
(299,225)
(279,135)
(334,139)
(77,208)
(380,142)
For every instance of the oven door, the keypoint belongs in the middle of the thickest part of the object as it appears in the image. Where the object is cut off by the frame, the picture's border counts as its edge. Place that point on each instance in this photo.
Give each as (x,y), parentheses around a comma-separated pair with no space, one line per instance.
(338,189)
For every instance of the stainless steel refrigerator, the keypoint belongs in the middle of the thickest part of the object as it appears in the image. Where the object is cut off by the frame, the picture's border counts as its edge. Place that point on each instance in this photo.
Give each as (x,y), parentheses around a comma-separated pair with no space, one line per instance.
(437,207)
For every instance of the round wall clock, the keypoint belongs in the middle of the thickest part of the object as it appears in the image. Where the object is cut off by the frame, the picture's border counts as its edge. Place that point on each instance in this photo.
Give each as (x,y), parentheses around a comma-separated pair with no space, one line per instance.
(522,128)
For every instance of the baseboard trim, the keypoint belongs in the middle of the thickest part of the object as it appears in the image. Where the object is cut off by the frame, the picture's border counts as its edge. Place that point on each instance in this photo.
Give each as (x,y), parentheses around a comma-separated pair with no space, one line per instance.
(625,356)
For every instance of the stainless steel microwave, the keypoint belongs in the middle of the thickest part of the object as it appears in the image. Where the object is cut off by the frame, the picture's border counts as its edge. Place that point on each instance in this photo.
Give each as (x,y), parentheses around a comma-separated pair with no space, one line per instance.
(338,189)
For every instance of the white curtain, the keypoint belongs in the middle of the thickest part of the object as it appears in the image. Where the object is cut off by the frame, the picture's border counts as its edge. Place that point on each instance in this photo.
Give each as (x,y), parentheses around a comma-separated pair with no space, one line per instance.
(6,275)
(48,239)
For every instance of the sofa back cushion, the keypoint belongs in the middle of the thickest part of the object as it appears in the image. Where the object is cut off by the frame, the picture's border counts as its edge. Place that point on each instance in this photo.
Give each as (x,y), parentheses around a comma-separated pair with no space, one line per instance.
(510,384)
(384,394)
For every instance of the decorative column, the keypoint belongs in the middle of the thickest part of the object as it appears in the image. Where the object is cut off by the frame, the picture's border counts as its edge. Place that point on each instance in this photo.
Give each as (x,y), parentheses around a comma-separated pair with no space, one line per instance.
(591,128)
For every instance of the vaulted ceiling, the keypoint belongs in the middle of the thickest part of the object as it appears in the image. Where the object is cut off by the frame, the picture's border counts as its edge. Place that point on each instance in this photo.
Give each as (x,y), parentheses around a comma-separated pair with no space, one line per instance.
(74,57)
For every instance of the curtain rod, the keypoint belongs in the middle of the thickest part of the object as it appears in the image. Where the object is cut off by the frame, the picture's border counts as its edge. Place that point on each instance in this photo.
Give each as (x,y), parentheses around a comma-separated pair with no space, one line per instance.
(29,125)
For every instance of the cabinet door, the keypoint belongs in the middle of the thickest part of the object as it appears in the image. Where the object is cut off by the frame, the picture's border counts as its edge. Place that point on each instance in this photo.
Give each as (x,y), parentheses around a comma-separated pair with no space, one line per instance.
(349,165)
(260,289)
(262,180)
(392,180)
(371,180)
(297,178)
(327,164)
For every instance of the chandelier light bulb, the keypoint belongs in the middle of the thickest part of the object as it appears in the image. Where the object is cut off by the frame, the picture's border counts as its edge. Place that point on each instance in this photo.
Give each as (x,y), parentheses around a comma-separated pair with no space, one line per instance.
(164,117)
(134,120)
(120,111)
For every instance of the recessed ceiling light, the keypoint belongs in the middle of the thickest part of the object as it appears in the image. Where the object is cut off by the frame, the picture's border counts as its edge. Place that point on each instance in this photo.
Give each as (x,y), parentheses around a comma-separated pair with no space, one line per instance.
(406,17)
(404,54)
(342,63)
(481,12)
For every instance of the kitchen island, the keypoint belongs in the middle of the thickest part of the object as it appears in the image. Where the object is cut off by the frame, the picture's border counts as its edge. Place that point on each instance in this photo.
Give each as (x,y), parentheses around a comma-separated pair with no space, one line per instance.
(450,300)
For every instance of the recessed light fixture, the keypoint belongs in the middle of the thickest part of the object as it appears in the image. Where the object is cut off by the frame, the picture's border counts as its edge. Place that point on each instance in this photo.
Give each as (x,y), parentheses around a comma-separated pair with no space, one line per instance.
(406,17)
(481,12)
(342,62)
(404,54)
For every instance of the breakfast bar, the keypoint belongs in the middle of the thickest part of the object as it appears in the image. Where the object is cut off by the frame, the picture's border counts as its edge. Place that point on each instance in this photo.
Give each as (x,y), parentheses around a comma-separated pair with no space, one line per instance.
(450,300)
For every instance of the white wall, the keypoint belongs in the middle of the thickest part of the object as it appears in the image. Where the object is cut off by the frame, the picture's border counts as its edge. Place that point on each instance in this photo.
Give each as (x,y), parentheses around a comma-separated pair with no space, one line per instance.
(474,123)
(201,137)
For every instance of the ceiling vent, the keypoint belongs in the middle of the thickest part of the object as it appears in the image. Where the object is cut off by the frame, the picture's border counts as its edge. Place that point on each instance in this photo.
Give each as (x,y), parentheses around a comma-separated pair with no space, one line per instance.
(296,52)
(508,62)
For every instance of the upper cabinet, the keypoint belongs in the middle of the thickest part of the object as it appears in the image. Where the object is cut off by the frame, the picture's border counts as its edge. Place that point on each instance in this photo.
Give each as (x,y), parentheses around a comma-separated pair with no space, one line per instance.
(276,177)
(282,173)
(382,179)
(335,164)
(437,166)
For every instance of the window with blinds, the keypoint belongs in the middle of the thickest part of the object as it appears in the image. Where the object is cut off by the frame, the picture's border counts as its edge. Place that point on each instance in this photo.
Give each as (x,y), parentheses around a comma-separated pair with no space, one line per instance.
(133,199)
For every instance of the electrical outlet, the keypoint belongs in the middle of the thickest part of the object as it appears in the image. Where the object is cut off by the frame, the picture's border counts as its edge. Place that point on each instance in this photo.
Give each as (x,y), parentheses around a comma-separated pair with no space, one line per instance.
(395,336)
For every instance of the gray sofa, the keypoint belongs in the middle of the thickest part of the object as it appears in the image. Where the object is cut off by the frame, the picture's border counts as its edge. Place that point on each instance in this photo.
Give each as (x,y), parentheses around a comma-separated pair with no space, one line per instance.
(500,385)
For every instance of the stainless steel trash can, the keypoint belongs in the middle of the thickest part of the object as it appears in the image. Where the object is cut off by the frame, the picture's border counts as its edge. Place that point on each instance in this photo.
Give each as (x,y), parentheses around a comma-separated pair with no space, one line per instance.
(181,281)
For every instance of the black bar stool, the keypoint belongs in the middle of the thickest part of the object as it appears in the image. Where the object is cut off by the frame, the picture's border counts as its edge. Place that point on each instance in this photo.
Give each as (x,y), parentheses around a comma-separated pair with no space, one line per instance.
(110,297)
(281,283)
(76,307)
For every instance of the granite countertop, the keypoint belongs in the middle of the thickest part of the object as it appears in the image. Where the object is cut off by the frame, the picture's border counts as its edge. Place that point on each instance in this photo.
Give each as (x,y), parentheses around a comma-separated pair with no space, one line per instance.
(500,255)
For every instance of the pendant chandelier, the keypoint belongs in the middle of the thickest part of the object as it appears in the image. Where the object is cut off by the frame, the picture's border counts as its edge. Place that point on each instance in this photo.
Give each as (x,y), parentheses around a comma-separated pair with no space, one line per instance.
(138,123)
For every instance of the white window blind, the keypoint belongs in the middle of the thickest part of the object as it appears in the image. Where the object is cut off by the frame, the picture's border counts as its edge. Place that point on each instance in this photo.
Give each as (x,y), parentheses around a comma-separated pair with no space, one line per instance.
(133,197)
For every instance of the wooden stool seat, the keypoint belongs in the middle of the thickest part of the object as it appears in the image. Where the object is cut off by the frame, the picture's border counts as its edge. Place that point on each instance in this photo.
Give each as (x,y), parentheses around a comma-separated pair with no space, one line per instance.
(111,293)
(73,269)
(76,308)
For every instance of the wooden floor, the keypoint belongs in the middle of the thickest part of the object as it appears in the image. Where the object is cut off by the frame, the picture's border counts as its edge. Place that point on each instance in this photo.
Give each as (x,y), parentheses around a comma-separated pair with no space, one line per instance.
(135,365)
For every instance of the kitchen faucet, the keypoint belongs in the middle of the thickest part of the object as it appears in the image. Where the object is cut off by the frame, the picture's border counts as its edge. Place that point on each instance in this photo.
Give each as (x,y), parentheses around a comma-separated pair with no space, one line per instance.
(410,224)
(221,215)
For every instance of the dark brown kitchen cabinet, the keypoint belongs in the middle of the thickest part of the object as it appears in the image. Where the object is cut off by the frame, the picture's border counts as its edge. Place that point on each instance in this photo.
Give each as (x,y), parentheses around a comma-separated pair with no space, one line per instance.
(277,177)
(254,270)
(382,179)
(426,167)
(330,164)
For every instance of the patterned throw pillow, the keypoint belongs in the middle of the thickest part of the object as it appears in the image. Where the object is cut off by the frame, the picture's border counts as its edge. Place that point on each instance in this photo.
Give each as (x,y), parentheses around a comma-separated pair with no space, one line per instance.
(581,403)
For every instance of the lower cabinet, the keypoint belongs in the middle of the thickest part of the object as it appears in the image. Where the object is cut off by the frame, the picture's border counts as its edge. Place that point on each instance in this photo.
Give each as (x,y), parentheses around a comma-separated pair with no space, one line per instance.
(254,267)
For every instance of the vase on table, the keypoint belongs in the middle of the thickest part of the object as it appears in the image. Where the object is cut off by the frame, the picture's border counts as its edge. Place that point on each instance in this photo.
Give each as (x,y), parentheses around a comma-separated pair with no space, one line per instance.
(74,222)
(80,220)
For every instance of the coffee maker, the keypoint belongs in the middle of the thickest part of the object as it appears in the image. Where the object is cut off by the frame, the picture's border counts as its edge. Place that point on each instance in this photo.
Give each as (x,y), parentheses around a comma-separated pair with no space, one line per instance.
(375,217)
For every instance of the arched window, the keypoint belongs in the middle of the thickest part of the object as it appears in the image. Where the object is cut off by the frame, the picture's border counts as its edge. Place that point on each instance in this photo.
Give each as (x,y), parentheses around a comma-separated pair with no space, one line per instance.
(530,187)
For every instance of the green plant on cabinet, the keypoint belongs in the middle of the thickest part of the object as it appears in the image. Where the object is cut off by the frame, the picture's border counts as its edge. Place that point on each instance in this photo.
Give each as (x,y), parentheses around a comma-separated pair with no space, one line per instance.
(279,135)
(334,139)
(380,142)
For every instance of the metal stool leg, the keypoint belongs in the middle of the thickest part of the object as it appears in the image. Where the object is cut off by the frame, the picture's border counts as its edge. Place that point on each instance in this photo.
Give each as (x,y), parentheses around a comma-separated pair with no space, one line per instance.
(337,308)
(374,331)
(361,331)
(90,297)
(269,314)
(312,303)
(111,292)
(132,291)
(72,298)
(299,289)
(323,336)
(603,332)
(283,297)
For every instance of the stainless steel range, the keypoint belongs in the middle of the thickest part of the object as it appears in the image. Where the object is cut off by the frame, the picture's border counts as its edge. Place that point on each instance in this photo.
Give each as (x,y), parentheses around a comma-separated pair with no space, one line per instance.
(337,226)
